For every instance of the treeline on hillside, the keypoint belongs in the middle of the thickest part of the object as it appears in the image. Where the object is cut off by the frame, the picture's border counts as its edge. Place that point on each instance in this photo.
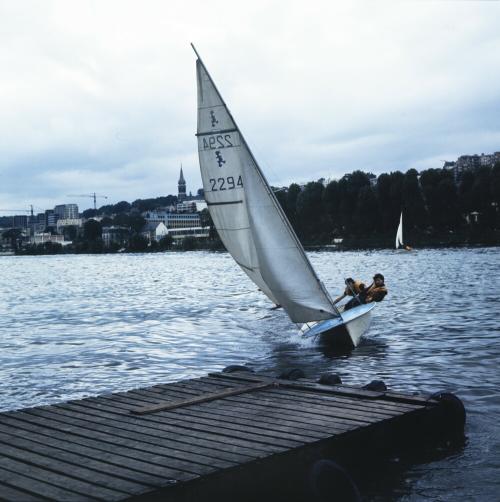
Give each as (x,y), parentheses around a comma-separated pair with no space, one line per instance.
(363,209)
(138,206)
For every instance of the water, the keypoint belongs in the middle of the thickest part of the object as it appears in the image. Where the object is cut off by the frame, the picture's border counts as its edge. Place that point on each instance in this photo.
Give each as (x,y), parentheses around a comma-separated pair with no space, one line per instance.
(78,325)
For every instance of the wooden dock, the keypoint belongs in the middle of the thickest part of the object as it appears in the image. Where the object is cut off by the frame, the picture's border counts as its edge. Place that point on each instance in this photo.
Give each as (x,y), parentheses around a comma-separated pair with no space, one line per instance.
(227,436)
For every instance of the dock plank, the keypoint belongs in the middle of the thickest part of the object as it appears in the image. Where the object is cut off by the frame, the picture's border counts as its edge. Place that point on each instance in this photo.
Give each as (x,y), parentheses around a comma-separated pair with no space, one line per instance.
(116,453)
(10,494)
(41,483)
(182,429)
(80,479)
(172,457)
(58,460)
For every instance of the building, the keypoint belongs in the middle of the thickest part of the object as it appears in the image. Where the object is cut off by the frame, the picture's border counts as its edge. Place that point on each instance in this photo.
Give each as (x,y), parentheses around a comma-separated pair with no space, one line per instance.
(20,221)
(43,237)
(470,162)
(191,206)
(181,195)
(180,225)
(157,216)
(154,231)
(50,218)
(39,223)
(66,211)
(70,222)
(115,235)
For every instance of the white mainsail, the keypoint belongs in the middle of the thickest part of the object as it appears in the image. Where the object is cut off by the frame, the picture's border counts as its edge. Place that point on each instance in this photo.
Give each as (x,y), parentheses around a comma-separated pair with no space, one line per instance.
(399,233)
(248,218)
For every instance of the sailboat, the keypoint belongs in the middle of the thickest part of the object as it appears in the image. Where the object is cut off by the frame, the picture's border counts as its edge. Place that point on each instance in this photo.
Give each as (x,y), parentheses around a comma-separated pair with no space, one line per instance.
(256,231)
(399,237)
(399,233)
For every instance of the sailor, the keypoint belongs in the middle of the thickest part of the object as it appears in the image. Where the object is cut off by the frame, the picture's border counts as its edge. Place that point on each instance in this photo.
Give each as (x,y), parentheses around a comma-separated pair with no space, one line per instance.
(352,288)
(375,292)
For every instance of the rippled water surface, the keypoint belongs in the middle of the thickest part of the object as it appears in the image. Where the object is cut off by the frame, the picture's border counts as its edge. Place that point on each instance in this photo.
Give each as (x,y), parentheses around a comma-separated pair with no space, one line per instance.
(73,326)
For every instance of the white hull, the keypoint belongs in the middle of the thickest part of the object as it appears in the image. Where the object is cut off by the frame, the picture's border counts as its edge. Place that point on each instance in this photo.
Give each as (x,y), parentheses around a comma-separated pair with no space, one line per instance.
(346,330)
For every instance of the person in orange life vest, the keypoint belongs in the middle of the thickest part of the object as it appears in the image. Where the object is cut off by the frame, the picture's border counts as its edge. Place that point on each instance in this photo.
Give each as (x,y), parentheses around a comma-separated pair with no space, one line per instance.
(375,292)
(352,288)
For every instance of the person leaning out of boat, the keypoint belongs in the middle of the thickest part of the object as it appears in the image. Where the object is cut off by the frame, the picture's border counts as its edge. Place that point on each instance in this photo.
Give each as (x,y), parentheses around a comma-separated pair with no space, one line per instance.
(352,288)
(375,292)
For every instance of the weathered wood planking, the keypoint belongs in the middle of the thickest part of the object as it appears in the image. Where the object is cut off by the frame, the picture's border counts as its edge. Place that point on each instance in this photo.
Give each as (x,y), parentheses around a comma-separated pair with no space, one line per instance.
(166,438)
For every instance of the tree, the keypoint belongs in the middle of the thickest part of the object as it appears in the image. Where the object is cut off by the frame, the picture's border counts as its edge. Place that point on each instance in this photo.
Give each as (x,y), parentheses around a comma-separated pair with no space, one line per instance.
(206,221)
(89,213)
(92,230)
(121,207)
(138,243)
(290,209)
(415,213)
(310,211)
(70,232)
(348,189)
(166,242)
(134,221)
(440,194)
(367,211)
(189,244)
(14,235)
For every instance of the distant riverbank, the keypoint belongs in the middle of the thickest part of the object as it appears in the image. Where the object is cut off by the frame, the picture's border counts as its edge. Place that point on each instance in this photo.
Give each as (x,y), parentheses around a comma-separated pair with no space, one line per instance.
(347,244)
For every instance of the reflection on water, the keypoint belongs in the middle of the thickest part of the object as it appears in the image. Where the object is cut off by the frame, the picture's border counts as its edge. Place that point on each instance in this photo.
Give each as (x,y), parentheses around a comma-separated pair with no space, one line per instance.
(73,326)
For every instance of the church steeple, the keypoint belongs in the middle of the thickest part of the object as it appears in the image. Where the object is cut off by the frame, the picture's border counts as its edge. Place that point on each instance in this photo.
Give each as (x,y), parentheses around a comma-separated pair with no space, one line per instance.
(182,187)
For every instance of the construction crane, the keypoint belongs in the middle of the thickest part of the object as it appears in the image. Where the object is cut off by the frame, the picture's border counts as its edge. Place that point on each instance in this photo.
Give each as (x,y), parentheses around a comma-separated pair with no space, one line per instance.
(91,195)
(30,211)
(18,210)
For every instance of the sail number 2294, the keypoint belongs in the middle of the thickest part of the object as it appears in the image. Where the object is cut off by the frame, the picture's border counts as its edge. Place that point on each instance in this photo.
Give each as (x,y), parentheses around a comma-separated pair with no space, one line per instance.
(228,183)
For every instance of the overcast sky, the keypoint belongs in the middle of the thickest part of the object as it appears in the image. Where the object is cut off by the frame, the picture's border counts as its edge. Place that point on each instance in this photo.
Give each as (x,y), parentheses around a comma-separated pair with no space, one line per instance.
(101,95)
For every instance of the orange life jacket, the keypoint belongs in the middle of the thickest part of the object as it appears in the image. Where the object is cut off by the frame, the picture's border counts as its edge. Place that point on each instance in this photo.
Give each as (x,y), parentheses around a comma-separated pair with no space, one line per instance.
(357,287)
(376,294)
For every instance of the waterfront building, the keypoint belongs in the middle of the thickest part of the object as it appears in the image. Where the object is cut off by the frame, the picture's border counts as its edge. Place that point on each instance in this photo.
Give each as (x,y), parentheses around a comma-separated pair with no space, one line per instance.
(157,216)
(115,235)
(43,237)
(180,225)
(154,231)
(69,222)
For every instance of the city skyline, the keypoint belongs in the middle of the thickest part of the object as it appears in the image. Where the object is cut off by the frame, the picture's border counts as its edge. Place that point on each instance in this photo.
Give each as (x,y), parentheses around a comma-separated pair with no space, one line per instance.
(102,97)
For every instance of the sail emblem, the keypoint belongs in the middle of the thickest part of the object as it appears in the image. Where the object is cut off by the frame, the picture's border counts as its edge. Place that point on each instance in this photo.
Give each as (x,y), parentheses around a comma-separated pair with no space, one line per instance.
(213,119)
(219,158)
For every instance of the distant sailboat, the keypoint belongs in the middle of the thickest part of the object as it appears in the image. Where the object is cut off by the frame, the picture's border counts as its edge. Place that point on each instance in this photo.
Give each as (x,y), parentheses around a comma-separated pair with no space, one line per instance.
(254,228)
(399,233)
(399,236)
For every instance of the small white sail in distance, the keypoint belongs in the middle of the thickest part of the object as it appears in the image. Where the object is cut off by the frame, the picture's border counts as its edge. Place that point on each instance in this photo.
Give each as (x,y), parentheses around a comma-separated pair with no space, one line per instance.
(399,233)
(248,218)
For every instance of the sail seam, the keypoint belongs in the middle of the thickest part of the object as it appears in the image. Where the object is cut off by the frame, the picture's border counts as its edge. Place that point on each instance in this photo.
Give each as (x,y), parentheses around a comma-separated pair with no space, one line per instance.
(225,203)
(220,131)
